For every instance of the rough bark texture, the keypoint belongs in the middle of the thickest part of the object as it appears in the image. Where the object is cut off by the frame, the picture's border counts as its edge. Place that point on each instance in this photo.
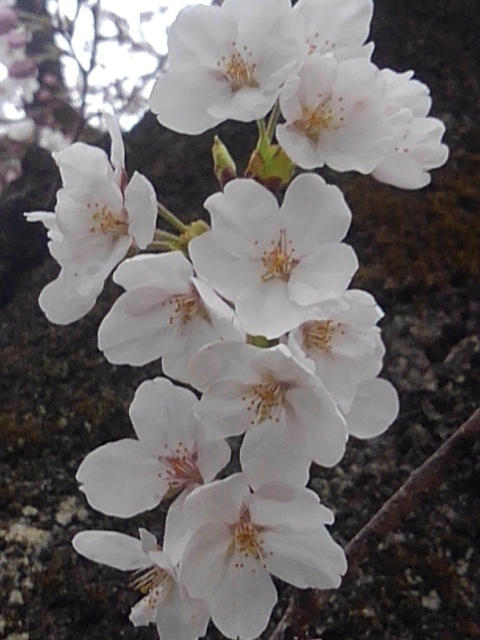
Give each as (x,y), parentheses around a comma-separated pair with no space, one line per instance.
(419,256)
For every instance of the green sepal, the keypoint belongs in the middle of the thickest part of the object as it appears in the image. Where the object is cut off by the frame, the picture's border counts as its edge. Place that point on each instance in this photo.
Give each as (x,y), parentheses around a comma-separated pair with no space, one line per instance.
(270,165)
(261,341)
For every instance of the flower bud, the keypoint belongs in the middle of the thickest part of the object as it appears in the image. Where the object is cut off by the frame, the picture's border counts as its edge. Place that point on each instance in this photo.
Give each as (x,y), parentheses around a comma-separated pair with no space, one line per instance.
(223,163)
(20,69)
(8,20)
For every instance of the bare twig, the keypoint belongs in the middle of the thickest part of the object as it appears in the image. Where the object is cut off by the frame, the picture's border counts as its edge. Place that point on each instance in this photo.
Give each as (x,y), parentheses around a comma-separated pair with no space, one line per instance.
(430,475)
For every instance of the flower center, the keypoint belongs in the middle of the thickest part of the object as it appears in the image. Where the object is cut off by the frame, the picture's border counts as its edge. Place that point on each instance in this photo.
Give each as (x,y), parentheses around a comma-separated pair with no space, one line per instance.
(247,539)
(187,306)
(108,222)
(238,70)
(278,261)
(314,120)
(266,401)
(318,334)
(179,468)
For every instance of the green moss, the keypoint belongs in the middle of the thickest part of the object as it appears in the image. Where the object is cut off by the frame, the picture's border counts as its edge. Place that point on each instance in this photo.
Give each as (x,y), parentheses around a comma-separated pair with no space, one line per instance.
(18,429)
(97,410)
(420,238)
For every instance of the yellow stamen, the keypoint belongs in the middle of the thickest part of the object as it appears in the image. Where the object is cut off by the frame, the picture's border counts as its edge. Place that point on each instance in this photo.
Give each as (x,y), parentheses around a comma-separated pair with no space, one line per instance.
(318,334)
(181,468)
(238,70)
(279,262)
(187,306)
(247,539)
(108,222)
(146,580)
(266,401)
(314,120)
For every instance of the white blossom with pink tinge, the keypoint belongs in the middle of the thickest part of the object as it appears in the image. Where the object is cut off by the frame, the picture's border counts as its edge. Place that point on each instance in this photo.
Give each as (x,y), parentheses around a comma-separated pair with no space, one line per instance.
(165,312)
(227,62)
(268,394)
(172,453)
(417,146)
(273,262)
(336,116)
(240,539)
(342,339)
(166,603)
(338,28)
(98,216)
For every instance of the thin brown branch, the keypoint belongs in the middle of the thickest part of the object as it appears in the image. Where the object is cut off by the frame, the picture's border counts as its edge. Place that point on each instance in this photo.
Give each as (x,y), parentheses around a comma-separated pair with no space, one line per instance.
(430,475)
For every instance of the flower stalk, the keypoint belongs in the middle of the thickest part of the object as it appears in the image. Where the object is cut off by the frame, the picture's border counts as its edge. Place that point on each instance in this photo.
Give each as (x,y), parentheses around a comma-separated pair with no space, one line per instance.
(171,218)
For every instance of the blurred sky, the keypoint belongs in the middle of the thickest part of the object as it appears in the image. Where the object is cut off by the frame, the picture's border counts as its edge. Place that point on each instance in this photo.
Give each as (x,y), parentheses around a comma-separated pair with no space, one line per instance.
(148,21)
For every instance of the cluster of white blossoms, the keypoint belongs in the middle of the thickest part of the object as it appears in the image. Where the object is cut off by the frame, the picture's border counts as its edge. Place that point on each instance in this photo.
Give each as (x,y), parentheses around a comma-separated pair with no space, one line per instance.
(253,312)
(339,109)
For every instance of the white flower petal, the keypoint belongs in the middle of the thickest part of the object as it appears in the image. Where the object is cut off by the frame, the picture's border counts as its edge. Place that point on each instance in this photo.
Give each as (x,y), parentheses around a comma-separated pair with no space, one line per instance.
(306,560)
(224,409)
(325,214)
(176,621)
(159,406)
(222,271)
(325,428)
(205,560)
(121,478)
(221,361)
(117,153)
(324,274)
(80,161)
(218,502)
(171,101)
(62,304)
(267,309)
(374,409)
(114,549)
(141,205)
(267,455)
(212,457)
(335,27)
(243,604)
(169,271)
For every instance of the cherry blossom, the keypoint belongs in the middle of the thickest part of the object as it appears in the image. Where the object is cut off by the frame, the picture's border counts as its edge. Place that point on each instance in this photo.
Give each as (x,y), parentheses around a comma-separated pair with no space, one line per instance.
(98,217)
(338,28)
(227,62)
(272,261)
(165,603)
(241,538)
(267,393)
(173,452)
(165,312)
(417,146)
(336,116)
(342,339)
